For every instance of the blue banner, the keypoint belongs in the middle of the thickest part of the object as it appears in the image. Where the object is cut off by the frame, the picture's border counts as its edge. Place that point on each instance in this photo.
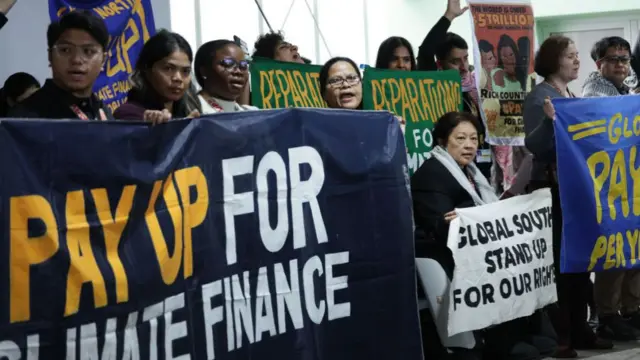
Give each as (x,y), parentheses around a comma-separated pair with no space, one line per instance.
(130,24)
(284,234)
(599,173)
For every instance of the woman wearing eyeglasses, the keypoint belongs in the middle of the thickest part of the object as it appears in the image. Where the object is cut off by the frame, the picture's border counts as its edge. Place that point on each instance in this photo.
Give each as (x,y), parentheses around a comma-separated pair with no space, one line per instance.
(341,84)
(223,72)
(161,81)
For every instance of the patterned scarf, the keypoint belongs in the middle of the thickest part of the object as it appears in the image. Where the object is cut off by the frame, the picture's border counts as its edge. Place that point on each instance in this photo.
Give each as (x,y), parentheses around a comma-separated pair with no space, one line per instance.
(469,86)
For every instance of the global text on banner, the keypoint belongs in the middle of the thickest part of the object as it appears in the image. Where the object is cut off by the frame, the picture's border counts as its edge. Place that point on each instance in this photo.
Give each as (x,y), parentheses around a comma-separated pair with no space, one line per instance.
(277,85)
(599,173)
(221,237)
(420,97)
(505,40)
(504,262)
(130,24)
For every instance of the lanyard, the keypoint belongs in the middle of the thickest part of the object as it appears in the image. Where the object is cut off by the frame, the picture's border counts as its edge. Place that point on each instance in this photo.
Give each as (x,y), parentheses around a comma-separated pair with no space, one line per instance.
(83,116)
(214,104)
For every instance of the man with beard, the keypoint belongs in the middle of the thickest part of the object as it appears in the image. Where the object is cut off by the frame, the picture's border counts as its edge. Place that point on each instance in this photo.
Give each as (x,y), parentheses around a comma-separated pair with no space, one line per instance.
(77,53)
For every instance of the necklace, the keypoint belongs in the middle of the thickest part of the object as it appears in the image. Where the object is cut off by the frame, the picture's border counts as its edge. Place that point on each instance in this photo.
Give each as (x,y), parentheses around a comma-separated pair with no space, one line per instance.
(558,89)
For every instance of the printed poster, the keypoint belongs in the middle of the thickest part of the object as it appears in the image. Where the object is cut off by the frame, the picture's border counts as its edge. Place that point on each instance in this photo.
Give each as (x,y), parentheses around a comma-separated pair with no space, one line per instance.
(504,37)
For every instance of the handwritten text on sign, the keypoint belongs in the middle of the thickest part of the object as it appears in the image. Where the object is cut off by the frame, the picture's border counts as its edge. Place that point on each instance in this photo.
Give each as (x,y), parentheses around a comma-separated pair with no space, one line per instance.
(421,98)
(503,257)
(282,85)
(599,137)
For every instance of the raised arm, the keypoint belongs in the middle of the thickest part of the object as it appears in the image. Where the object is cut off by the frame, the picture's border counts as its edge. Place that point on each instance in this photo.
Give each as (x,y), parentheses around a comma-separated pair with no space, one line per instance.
(540,136)
(427,51)
(5,6)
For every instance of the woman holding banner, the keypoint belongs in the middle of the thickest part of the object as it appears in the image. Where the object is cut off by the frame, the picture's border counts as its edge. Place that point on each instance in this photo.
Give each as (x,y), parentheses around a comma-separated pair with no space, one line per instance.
(558,63)
(450,180)
(161,81)
(223,72)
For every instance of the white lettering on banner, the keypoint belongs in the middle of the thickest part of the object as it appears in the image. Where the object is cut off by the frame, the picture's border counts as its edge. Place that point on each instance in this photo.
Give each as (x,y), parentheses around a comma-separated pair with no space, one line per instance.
(293,297)
(287,295)
(504,262)
(301,192)
(9,350)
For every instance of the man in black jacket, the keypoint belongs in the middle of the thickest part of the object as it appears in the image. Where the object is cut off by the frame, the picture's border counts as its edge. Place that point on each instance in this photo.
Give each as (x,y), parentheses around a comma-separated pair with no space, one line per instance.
(5,6)
(77,53)
(443,50)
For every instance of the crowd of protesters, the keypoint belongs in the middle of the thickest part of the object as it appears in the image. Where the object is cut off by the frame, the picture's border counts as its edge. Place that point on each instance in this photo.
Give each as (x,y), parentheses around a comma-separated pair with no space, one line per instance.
(163,88)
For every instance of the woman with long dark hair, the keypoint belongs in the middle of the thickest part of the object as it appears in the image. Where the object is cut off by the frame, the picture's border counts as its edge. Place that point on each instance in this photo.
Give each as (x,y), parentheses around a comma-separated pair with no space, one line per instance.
(161,82)
(396,53)
(505,76)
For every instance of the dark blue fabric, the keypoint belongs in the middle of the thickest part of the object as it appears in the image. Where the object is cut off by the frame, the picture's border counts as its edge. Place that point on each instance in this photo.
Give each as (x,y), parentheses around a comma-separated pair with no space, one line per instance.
(364,202)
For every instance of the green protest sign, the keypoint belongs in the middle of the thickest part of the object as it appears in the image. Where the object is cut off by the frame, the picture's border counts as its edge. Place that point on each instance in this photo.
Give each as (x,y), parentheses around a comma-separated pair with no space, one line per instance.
(420,97)
(276,85)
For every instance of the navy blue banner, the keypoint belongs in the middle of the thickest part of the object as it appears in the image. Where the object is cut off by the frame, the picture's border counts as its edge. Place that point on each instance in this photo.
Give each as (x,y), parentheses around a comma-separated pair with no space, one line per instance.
(130,24)
(284,234)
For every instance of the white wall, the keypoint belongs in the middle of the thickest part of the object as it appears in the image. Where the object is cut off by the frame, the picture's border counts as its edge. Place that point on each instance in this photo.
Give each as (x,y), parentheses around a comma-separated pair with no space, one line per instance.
(356,30)
(24,39)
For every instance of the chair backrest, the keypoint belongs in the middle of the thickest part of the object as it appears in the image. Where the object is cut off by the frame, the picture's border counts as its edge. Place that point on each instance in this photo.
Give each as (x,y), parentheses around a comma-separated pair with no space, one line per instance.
(436,286)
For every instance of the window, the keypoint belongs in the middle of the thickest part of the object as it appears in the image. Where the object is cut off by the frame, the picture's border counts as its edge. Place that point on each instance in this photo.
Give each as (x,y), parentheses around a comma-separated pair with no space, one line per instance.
(224,19)
(343,30)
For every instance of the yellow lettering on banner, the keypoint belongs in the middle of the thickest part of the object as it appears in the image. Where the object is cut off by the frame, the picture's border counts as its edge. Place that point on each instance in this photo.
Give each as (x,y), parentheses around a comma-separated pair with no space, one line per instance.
(313,85)
(611,249)
(295,92)
(113,227)
(635,174)
(412,89)
(427,106)
(169,264)
(127,43)
(378,95)
(26,251)
(618,186)
(138,9)
(277,94)
(83,266)
(599,250)
(599,158)
(285,89)
(632,239)
(305,93)
(266,81)
(194,212)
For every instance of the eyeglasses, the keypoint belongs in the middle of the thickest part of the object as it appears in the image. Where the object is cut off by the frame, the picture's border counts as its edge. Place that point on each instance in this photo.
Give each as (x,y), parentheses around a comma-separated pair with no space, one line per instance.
(624,60)
(338,81)
(85,52)
(231,63)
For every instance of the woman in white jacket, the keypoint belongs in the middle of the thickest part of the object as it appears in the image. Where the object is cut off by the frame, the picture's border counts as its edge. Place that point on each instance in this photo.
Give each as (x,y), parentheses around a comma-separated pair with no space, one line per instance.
(222,71)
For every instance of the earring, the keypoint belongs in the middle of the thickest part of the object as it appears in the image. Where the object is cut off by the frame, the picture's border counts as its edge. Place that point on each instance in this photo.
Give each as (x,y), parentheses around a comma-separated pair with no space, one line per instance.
(204,77)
